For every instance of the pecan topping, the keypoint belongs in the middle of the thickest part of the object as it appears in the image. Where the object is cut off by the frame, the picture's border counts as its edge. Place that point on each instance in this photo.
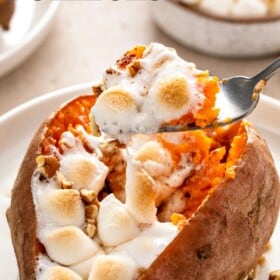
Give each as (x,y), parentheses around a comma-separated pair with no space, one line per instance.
(133,68)
(91,211)
(47,165)
(88,196)
(62,181)
(90,230)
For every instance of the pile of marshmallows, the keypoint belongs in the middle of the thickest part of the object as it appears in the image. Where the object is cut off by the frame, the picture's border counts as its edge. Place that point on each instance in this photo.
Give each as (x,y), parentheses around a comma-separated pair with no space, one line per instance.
(238,8)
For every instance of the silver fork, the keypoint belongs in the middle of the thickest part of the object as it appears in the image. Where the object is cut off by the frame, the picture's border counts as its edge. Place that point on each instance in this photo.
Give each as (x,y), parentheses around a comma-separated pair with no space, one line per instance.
(237,98)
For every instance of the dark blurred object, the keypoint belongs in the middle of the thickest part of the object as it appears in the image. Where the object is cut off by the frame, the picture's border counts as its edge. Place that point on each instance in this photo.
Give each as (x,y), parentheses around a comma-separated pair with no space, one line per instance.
(7,8)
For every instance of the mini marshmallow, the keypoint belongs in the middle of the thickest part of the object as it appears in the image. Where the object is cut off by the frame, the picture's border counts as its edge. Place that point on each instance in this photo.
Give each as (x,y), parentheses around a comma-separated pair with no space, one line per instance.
(68,245)
(114,223)
(84,267)
(59,273)
(140,193)
(108,267)
(142,250)
(169,97)
(85,172)
(119,107)
(155,159)
(62,207)
(159,165)
(147,246)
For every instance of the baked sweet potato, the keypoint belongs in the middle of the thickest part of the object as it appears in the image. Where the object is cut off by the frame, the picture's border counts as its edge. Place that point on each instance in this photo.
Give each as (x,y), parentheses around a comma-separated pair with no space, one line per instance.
(7,8)
(230,203)
(190,205)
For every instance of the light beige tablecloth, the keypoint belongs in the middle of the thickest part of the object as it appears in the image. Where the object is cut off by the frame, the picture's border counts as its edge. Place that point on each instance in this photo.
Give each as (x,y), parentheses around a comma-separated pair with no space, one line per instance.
(88,36)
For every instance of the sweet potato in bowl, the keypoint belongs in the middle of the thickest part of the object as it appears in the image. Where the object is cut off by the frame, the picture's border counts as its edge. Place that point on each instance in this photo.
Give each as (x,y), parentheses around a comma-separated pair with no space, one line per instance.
(230,203)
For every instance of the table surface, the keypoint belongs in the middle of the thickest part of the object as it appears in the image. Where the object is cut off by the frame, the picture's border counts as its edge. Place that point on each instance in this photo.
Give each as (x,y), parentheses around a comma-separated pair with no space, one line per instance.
(88,36)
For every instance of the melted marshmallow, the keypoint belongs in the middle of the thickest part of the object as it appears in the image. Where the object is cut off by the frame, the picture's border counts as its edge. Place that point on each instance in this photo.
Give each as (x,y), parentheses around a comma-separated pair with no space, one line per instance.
(61,207)
(108,267)
(56,272)
(84,171)
(163,89)
(159,165)
(68,245)
(115,219)
(147,246)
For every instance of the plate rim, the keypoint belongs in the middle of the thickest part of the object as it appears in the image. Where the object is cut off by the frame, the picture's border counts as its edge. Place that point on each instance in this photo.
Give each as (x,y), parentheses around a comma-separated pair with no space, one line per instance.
(44,97)
(24,46)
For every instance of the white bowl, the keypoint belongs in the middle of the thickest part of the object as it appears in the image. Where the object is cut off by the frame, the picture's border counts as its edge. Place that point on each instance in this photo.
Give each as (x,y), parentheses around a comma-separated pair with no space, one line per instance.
(29,26)
(217,35)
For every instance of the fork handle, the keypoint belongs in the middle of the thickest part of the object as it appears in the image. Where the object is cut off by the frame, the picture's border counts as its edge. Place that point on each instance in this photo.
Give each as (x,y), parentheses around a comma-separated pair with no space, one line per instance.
(268,72)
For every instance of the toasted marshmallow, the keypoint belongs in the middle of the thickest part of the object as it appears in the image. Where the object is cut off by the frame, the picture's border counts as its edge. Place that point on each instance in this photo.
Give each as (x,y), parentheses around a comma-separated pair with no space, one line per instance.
(84,267)
(59,273)
(114,109)
(84,171)
(68,245)
(249,8)
(158,163)
(62,207)
(115,225)
(112,268)
(147,246)
(140,193)
(154,158)
(169,97)
(173,94)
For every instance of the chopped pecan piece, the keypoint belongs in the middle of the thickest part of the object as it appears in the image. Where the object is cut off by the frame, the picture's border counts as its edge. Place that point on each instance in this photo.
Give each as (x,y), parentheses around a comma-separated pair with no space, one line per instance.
(62,181)
(91,211)
(47,165)
(88,196)
(133,68)
(90,230)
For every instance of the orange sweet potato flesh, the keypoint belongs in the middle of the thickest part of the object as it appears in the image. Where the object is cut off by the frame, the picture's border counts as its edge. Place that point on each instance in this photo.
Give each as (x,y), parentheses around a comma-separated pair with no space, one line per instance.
(229,225)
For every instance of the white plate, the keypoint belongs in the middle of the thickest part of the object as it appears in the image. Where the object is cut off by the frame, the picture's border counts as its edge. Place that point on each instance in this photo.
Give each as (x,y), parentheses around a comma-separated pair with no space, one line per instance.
(29,26)
(18,126)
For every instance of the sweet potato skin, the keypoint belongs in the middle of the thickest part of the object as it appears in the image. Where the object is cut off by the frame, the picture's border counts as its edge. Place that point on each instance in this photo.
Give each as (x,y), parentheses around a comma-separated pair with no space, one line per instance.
(21,213)
(223,240)
(230,231)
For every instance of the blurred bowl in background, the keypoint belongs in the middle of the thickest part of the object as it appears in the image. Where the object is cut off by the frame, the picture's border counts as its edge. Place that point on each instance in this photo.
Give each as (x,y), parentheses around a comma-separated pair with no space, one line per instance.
(29,26)
(217,35)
